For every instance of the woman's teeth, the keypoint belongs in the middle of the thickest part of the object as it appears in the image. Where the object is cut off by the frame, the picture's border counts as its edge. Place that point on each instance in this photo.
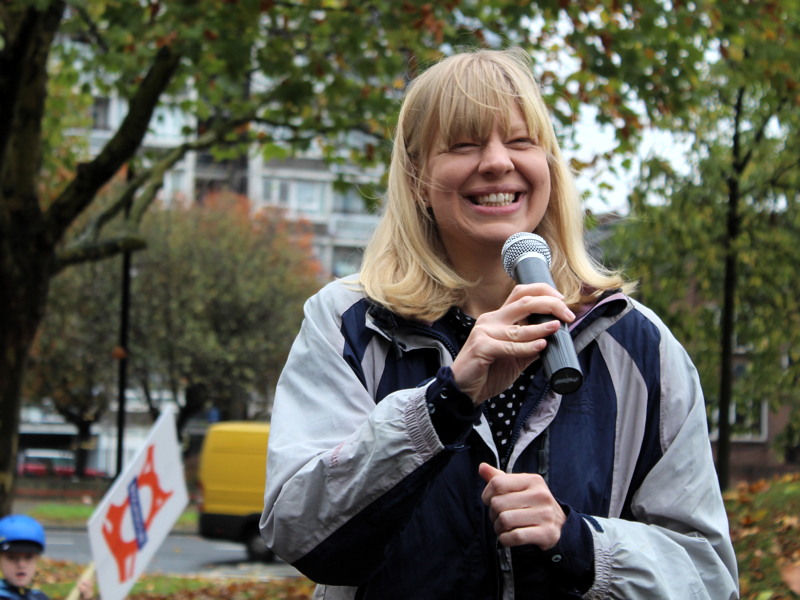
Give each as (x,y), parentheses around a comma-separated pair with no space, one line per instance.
(494,199)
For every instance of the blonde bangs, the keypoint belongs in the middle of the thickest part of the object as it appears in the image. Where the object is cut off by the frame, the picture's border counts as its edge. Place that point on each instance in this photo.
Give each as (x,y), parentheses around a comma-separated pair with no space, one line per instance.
(468,111)
(479,89)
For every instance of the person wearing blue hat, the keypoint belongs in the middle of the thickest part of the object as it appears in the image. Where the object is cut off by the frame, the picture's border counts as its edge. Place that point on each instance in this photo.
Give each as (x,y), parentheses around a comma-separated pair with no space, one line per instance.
(22,541)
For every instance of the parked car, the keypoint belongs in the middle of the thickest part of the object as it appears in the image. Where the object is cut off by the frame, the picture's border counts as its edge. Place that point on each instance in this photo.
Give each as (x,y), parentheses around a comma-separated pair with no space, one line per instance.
(36,462)
(233,470)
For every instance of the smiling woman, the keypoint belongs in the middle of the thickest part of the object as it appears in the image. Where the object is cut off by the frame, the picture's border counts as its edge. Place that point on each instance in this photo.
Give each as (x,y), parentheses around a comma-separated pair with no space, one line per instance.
(453,112)
(427,455)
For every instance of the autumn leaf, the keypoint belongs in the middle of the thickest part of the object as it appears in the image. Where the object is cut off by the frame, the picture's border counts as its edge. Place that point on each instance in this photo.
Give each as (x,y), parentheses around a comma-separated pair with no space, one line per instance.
(790,573)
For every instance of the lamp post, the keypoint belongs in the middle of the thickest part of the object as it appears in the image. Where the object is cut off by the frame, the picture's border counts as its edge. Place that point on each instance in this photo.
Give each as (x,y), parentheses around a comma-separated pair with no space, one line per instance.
(122,378)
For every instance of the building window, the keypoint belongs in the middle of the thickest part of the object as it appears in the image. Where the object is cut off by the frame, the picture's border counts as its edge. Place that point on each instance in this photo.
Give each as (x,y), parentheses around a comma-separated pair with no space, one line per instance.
(749,423)
(748,419)
(283,193)
(175,184)
(349,202)
(101,114)
(266,192)
(276,192)
(310,196)
(346,261)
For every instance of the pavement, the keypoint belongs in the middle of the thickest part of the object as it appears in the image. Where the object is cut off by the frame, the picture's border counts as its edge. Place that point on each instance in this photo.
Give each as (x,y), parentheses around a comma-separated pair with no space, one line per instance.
(220,564)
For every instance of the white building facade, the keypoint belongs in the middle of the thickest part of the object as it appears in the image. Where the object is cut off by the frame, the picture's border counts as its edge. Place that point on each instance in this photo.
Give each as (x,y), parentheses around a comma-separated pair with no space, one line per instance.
(302,187)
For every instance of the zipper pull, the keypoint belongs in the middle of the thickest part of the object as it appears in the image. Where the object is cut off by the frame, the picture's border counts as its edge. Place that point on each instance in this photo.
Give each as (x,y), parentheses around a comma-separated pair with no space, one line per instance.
(505,559)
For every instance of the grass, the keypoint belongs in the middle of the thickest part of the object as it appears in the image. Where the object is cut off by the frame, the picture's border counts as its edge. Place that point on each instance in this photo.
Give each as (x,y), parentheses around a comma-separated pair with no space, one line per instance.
(765,528)
(60,514)
(56,579)
(764,519)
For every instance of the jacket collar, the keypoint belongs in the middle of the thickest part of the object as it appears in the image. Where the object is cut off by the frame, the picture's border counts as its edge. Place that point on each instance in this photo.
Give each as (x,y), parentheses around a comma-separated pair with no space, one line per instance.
(609,308)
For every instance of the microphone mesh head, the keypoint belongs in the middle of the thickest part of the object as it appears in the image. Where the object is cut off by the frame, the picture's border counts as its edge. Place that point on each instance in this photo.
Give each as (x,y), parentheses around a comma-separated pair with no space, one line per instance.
(523,243)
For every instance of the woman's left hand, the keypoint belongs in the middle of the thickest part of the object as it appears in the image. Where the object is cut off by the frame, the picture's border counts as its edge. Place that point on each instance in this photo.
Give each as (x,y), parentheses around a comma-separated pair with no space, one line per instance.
(522,508)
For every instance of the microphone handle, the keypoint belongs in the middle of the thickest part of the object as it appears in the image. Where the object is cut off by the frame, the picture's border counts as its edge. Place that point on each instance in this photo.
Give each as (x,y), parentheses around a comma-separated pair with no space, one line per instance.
(559,359)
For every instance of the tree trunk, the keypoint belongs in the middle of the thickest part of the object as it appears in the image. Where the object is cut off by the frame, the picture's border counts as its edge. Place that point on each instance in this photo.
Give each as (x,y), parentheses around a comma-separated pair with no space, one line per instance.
(196,400)
(727,337)
(26,239)
(24,278)
(728,325)
(82,447)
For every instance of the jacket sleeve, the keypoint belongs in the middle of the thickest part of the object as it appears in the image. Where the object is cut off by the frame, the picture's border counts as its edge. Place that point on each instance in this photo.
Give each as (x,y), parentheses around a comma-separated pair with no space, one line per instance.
(334,453)
(679,546)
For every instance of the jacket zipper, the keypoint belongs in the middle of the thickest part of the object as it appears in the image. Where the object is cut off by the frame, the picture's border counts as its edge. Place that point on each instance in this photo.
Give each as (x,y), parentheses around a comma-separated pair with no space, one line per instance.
(521,422)
(504,558)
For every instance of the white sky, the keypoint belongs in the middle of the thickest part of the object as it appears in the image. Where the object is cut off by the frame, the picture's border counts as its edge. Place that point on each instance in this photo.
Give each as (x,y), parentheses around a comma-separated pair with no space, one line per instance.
(595,139)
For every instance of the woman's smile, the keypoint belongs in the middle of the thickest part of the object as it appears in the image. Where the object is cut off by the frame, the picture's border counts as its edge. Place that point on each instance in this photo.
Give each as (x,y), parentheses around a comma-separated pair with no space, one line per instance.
(495,200)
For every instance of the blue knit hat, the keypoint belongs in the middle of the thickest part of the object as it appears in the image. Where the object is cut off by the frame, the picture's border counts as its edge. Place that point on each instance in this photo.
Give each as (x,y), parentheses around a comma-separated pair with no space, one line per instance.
(21,533)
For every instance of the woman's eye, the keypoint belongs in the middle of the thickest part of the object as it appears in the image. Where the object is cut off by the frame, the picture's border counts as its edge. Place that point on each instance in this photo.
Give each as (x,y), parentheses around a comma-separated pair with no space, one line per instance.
(463,146)
(522,143)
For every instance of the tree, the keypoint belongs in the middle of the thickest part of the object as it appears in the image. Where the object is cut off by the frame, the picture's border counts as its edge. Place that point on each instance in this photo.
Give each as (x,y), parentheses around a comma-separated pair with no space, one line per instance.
(70,362)
(722,232)
(217,299)
(283,74)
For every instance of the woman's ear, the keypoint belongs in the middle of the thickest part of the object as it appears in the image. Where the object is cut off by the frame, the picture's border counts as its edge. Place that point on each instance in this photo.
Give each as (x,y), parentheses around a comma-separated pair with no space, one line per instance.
(423,198)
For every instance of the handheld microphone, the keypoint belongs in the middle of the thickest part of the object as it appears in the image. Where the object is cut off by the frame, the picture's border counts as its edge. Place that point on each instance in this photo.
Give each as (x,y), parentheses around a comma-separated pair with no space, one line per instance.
(526,259)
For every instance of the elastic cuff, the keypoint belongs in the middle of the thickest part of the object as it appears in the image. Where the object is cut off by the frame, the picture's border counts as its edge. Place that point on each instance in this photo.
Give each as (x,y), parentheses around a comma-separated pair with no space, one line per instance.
(571,561)
(569,565)
(452,412)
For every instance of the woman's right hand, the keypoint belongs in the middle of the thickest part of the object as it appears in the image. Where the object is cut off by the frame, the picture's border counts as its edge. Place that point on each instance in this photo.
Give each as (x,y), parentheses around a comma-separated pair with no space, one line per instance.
(502,342)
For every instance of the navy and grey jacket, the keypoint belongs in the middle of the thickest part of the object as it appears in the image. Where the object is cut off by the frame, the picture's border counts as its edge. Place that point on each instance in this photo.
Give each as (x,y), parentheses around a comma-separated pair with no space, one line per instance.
(12,592)
(372,478)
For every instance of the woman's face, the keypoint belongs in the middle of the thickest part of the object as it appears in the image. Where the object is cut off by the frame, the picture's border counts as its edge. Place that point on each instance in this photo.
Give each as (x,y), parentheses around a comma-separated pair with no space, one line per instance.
(482,191)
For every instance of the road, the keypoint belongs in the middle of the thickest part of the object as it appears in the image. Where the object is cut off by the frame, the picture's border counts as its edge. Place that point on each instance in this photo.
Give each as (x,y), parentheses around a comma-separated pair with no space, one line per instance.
(180,554)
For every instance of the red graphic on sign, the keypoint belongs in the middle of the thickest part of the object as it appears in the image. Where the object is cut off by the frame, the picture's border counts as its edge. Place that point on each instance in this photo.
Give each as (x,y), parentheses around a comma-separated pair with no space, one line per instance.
(124,551)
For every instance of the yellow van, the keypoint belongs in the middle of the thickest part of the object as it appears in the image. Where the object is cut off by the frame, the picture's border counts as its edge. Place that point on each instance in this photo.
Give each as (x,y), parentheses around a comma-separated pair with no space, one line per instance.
(233,466)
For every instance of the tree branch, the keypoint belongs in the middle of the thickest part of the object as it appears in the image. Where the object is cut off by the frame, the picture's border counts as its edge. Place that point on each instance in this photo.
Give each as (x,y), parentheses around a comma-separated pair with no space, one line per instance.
(140,192)
(737,164)
(347,8)
(779,172)
(212,137)
(97,251)
(93,29)
(91,176)
(761,131)
(318,131)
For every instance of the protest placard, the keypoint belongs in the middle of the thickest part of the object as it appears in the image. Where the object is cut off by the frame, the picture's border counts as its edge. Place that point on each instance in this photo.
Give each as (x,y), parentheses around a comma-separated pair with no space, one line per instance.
(138,511)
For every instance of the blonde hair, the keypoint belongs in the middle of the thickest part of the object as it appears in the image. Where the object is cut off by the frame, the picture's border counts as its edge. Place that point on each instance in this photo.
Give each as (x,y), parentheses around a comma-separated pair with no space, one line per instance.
(405,266)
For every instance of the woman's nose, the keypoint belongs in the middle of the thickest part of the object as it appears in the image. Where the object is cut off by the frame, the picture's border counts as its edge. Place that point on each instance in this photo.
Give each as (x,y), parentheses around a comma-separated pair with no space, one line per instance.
(495,158)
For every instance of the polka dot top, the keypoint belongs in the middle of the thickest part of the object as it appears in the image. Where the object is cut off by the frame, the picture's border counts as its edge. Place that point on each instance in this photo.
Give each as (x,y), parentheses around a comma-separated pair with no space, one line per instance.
(501,411)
